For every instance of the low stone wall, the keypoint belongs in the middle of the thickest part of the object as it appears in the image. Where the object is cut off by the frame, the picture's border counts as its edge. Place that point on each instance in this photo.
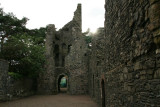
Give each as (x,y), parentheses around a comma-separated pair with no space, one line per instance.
(11,88)
(3,78)
(19,88)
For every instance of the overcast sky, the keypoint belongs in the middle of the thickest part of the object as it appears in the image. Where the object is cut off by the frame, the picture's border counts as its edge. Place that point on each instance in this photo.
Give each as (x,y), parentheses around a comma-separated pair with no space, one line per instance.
(58,12)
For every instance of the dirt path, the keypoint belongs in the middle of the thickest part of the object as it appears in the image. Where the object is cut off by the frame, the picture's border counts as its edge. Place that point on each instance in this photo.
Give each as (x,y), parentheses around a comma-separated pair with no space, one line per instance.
(60,100)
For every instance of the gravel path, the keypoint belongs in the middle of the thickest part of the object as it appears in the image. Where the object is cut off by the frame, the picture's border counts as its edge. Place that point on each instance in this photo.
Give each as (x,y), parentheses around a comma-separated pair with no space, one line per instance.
(60,100)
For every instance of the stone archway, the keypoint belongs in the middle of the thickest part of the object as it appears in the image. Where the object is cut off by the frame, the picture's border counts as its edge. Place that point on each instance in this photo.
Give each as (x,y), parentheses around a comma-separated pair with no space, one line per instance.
(103,92)
(62,88)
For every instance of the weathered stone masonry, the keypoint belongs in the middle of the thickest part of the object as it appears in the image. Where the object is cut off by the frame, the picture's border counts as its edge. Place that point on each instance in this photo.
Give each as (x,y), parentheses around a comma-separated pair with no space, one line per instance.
(65,55)
(96,64)
(3,78)
(122,69)
(11,88)
(124,57)
(132,58)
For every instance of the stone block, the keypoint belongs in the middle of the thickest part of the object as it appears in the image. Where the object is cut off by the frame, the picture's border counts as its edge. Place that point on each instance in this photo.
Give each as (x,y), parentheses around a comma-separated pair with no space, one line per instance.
(137,76)
(130,98)
(156,32)
(157,74)
(149,77)
(131,23)
(125,86)
(143,77)
(121,77)
(125,76)
(157,41)
(130,76)
(154,16)
(158,52)
(150,71)
(137,66)
(125,70)
(148,64)
(158,61)
(143,72)
(154,11)
(146,15)
(153,25)
(153,1)
(129,88)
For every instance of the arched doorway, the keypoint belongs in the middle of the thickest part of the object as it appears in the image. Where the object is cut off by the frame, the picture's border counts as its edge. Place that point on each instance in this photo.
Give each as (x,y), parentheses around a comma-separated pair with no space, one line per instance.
(103,92)
(62,83)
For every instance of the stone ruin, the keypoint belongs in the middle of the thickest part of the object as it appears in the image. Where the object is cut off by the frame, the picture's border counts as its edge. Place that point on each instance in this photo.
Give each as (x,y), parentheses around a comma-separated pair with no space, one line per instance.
(122,68)
(65,56)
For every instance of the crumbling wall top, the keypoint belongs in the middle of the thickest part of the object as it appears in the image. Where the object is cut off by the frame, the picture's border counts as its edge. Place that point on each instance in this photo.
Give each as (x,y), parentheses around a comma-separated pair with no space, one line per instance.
(77,19)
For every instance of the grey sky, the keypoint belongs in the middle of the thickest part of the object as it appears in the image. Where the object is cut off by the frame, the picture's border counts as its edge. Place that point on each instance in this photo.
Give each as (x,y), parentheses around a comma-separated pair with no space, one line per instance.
(58,12)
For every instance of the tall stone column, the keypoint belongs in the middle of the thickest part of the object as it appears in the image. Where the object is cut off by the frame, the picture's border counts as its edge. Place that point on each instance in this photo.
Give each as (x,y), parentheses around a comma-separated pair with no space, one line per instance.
(47,78)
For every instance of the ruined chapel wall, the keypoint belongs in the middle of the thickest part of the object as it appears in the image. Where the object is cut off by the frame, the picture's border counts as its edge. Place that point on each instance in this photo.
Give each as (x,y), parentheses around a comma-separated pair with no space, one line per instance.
(75,61)
(77,66)
(65,54)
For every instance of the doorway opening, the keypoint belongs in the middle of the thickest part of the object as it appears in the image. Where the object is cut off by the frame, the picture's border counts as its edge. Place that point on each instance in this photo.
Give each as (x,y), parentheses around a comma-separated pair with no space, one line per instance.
(103,92)
(62,84)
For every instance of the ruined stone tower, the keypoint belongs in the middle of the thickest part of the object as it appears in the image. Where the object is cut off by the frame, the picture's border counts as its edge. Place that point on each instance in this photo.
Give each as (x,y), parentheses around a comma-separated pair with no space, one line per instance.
(65,56)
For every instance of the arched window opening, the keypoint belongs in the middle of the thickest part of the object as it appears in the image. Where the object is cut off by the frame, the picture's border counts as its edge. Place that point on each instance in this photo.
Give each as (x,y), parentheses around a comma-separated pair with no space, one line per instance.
(63,61)
(56,52)
(57,59)
(69,48)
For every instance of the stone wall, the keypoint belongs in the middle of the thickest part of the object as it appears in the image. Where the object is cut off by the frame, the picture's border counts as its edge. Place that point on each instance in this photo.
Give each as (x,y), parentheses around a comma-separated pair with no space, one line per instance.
(96,64)
(74,49)
(76,64)
(132,65)
(3,78)
(11,88)
(19,88)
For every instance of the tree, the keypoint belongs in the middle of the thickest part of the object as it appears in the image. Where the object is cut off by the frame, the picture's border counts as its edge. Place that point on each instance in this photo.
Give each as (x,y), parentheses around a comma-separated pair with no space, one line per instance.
(10,26)
(23,48)
(39,34)
(25,57)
